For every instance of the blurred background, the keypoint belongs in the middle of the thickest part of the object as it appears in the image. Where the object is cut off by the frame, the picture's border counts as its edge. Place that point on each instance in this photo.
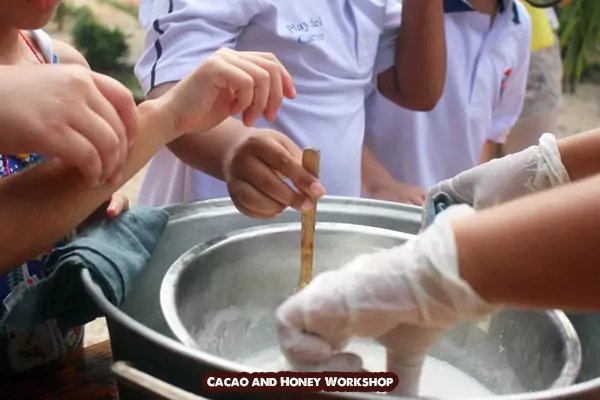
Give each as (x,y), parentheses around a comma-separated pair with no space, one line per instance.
(108,34)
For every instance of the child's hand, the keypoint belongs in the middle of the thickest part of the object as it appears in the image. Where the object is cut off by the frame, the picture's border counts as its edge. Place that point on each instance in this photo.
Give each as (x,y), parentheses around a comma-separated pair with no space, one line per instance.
(68,112)
(226,84)
(399,192)
(110,208)
(116,205)
(254,169)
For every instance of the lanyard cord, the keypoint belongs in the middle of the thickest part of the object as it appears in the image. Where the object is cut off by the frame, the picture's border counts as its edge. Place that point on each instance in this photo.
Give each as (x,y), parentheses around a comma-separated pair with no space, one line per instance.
(31,47)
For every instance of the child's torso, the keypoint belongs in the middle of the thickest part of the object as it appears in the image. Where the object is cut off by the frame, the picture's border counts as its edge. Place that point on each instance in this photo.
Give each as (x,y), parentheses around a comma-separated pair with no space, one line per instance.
(330,49)
(424,148)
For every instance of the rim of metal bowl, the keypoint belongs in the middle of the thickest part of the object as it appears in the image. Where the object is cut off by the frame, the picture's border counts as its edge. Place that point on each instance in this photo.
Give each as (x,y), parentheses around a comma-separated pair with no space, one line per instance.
(570,370)
(168,288)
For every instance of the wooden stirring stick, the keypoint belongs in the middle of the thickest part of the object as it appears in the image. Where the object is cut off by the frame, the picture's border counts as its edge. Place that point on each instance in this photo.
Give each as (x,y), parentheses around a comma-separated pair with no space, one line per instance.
(310,162)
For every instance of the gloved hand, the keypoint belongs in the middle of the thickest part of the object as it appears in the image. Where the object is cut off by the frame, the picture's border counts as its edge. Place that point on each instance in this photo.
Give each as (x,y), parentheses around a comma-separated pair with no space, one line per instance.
(531,170)
(405,297)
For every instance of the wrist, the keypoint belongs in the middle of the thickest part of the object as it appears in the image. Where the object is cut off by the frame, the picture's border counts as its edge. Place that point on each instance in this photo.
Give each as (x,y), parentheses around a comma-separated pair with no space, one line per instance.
(238,132)
(154,116)
(372,185)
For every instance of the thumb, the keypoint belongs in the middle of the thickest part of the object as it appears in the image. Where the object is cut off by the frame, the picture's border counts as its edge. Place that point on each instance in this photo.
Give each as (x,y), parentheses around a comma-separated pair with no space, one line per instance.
(343,362)
(407,348)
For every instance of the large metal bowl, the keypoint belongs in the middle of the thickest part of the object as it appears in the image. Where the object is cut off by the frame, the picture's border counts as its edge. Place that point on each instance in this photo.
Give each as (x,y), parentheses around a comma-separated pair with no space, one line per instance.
(140,335)
(220,297)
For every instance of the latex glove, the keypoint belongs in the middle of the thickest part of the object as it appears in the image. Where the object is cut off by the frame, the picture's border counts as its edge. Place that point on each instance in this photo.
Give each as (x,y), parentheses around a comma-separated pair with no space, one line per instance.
(405,297)
(531,170)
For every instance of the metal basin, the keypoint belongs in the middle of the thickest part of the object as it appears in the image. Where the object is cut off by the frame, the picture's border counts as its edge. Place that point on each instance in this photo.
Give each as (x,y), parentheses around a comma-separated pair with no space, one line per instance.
(220,298)
(140,335)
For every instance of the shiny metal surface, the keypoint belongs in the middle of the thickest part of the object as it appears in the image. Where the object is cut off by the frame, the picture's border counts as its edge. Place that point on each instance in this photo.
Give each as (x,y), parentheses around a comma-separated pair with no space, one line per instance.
(220,297)
(139,333)
(195,223)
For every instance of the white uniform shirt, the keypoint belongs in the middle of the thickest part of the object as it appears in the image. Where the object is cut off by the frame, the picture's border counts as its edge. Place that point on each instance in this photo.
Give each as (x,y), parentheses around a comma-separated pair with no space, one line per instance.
(482,99)
(330,47)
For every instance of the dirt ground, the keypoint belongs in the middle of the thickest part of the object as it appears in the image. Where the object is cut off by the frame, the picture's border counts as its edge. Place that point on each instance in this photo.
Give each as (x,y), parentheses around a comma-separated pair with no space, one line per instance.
(581,112)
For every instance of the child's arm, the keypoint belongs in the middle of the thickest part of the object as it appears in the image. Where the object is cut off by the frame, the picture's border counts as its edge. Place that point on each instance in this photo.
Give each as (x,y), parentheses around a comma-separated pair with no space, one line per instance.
(48,201)
(489,151)
(69,55)
(117,203)
(378,183)
(540,251)
(417,80)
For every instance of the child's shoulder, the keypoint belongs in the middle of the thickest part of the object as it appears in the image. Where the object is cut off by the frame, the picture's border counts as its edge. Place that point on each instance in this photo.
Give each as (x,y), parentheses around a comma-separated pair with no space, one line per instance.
(524,24)
(67,54)
(49,47)
(517,31)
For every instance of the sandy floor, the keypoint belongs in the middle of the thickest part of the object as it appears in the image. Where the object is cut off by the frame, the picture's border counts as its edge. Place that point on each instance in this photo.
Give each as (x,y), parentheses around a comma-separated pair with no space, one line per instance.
(580,112)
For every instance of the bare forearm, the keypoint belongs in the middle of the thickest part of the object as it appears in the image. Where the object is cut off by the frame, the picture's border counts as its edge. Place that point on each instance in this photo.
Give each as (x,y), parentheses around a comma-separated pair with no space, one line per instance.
(488,152)
(374,175)
(206,151)
(579,154)
(540,251)
(419,74)
(65,199)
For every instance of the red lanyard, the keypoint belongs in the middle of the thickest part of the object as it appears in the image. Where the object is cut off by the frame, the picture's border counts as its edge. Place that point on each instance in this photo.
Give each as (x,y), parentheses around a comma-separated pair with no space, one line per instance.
(31,48)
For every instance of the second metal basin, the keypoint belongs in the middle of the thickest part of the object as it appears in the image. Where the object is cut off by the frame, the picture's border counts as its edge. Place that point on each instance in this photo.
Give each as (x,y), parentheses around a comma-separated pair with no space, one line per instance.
(220,298)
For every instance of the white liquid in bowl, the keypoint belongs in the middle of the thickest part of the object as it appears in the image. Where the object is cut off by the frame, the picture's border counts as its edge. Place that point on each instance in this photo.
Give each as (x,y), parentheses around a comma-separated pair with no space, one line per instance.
(439,379)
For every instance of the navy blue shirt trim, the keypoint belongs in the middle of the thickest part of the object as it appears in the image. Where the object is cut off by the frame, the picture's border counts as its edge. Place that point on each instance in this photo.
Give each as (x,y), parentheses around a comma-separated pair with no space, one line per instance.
(158,46)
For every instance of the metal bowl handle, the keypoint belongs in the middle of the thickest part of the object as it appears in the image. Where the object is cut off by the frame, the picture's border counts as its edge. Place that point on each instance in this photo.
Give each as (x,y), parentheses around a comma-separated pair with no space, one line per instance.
(155,387)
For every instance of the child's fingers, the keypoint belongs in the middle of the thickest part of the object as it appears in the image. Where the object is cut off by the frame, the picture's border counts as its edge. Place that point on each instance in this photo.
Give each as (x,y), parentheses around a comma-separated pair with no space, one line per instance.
(118,204)
(123,102)
(260,88)
(289,90)
(275,93)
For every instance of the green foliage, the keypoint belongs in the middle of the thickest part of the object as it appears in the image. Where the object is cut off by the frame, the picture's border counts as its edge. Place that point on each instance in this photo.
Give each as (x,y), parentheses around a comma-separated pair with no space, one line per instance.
(129,9)
(65,11)
(104,48)
(579,38)
(60,15)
